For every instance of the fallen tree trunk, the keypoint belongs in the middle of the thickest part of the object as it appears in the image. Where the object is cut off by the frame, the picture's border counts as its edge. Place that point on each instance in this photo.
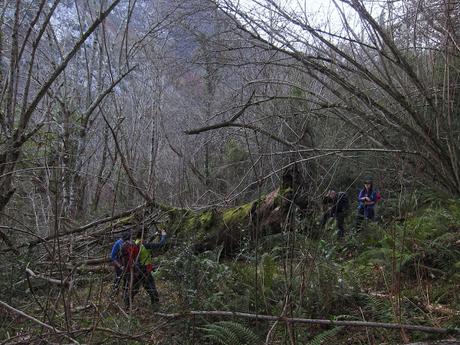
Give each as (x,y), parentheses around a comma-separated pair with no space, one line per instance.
(204,230)
(260,317)
(231,227)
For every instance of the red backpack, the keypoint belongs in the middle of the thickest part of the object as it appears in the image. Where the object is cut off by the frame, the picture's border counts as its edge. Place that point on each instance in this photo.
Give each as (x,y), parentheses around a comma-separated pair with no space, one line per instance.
(378,197)
(129,254)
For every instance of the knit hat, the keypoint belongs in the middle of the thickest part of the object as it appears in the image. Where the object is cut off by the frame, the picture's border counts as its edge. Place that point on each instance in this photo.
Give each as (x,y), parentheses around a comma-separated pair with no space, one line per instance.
(368,179)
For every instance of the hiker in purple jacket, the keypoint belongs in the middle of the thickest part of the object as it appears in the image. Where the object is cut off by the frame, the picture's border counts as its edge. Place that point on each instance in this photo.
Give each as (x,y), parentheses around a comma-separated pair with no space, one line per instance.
(367,199)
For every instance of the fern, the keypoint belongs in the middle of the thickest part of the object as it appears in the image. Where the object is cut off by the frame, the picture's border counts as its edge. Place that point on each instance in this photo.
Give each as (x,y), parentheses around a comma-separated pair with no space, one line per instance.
(326,337)
(268,271)
(380,308)
(221,335)
(230,333)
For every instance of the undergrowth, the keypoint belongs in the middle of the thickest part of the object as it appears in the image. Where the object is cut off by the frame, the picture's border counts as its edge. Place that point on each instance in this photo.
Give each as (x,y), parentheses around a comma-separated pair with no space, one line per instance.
(405,270)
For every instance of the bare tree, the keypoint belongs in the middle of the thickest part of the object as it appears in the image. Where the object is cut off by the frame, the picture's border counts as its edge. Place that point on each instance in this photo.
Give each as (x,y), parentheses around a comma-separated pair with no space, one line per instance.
(371,78)
(18,105)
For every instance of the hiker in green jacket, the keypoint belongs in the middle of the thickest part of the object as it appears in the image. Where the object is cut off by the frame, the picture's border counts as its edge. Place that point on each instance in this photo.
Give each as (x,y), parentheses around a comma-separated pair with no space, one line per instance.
(144,267)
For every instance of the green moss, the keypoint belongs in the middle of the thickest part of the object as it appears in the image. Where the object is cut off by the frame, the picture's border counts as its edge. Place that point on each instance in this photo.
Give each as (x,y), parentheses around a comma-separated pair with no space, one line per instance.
(179,219)
(207,219)
(235,216)
(190,224)
(125,220)
(195,225)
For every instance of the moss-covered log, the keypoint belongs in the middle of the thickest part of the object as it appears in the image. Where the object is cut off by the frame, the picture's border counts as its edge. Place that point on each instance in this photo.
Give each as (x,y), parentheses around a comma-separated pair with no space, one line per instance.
(230,226)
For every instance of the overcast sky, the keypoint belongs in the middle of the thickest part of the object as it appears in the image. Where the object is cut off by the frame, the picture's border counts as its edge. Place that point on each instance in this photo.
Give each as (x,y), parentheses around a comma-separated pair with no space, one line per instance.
(320,13)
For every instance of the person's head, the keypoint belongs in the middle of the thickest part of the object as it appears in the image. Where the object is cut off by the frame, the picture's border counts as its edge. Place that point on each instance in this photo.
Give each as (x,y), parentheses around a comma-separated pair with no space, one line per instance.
(367,183)
(330,197)
(332,194)
(126,235)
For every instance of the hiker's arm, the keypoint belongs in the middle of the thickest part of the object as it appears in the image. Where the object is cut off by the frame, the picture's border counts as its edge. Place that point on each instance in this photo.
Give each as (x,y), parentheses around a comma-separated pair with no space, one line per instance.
(153,245)
(364,199)
(371,199)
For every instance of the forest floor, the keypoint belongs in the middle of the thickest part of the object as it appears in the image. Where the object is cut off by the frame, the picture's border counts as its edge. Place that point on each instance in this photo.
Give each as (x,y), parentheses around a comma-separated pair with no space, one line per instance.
(404,271)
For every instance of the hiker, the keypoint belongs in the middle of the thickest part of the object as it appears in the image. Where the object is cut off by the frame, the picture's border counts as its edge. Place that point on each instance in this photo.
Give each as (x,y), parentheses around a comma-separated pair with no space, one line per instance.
(337,207)
(115,256)
(141,270)
(367,199)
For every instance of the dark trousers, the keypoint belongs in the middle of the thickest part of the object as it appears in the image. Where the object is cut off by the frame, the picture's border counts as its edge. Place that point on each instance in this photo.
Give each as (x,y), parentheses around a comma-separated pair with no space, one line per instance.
(118,279)
(340,218)
(133,282)
(364,213)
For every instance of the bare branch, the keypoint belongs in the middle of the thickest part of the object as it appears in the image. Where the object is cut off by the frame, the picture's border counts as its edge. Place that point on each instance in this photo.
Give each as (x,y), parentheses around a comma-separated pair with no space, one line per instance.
(226,123)
(289,320)
(31,318)
(47,279)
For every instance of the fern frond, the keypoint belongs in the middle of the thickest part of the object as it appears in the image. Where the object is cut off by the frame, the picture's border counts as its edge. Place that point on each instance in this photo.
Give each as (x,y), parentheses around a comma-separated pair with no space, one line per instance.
(325,337)
(230,333)
(220,334)
(380,308)
(244,333)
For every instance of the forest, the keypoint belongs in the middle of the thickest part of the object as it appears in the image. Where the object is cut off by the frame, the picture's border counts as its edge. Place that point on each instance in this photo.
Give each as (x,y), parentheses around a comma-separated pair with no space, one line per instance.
(214,132)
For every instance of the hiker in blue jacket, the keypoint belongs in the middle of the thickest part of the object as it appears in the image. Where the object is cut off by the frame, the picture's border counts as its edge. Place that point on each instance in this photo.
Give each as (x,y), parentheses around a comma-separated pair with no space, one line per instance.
(115,256)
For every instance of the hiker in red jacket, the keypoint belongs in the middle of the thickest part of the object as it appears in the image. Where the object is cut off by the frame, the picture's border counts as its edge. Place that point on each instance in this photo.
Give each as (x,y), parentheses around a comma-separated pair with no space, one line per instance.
(138,263)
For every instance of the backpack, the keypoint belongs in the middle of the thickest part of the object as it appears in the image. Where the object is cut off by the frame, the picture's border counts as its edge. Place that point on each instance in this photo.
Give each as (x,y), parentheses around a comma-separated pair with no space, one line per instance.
(129,254)
(378,197)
